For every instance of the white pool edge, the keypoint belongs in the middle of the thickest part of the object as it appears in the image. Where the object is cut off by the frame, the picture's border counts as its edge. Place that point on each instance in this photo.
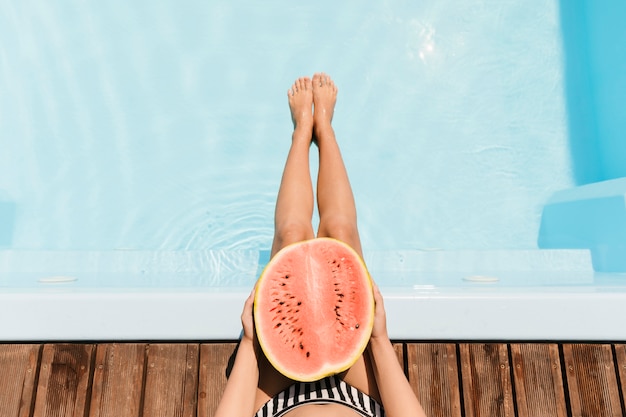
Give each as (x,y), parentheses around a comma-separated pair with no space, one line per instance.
(587,313)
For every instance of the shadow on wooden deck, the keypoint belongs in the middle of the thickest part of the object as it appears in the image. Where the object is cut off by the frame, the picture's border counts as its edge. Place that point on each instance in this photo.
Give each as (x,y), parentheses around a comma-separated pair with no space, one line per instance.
(187,379)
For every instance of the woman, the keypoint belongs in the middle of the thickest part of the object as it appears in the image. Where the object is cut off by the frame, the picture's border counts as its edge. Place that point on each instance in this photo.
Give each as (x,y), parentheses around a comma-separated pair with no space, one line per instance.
(376,381)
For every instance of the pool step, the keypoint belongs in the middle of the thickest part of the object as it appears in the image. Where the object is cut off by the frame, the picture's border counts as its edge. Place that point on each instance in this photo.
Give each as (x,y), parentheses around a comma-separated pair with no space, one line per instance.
(228,268)
(592,216)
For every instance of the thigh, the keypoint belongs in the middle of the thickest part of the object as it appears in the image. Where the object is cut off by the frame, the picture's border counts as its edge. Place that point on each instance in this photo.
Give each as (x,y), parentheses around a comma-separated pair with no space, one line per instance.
(361,376)
(345,231)
(271,382)
(286,235)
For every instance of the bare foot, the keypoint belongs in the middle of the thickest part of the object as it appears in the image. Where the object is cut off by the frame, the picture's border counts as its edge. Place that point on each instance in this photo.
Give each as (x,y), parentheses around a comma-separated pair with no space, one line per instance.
(324,99)
(300,103)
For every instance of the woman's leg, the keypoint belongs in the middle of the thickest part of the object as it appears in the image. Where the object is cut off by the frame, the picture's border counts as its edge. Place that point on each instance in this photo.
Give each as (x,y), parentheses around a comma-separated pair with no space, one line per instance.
(294,204)
(294,209)
(336,203)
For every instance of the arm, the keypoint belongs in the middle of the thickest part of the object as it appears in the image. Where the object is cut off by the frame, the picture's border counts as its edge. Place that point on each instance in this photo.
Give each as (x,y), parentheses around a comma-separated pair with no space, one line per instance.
(239,394)
(395,391)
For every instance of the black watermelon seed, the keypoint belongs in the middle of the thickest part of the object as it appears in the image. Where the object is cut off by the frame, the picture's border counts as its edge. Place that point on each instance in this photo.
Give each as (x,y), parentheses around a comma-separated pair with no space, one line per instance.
(308,354)
(356,326)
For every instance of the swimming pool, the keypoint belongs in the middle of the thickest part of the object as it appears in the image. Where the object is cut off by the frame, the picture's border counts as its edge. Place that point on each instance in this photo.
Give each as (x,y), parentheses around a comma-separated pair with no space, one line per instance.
(141,148)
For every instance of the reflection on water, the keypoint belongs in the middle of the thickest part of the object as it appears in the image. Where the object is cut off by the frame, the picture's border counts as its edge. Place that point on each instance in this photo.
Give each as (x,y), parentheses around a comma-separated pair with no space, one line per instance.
(236,219)
(144,125)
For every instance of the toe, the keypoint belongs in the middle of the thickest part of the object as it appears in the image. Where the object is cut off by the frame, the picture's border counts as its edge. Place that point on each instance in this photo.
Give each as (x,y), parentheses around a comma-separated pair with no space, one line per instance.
(307,83)
(317,79)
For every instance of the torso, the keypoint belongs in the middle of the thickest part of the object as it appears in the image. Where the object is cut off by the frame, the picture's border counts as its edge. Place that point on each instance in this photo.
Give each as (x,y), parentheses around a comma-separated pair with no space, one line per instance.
(326,410)
(330,396)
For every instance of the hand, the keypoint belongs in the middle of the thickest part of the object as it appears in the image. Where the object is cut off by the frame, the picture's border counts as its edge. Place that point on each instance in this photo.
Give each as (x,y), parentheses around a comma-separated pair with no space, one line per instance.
(247,318)
(380,317)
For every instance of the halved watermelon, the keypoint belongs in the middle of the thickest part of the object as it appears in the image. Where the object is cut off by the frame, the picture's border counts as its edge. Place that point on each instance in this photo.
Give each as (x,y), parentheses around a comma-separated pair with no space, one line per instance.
(314,309)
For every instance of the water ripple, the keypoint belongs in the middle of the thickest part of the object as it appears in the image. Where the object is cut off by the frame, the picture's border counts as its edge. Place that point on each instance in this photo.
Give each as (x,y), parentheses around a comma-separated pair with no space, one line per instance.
(219,218)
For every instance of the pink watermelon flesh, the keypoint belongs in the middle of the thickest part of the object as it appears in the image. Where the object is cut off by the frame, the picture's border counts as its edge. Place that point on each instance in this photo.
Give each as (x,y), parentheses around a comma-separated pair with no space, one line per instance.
(314,309)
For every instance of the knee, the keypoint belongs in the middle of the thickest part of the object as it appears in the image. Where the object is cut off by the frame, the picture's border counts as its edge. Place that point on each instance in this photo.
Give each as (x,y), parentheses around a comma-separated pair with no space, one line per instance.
(287,234)
(340,229)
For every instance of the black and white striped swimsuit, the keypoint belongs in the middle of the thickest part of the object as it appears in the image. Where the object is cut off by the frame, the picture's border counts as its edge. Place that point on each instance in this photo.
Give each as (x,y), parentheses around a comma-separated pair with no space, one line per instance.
(331,389)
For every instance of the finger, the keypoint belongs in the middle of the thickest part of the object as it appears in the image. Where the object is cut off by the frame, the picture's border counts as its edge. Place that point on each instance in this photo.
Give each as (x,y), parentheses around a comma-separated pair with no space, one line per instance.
(378,297)
(376,290)
(247,306)
(250,299)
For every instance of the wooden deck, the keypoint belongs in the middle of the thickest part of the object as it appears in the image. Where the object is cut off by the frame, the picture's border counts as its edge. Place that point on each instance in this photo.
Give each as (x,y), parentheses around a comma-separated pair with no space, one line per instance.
(186,379)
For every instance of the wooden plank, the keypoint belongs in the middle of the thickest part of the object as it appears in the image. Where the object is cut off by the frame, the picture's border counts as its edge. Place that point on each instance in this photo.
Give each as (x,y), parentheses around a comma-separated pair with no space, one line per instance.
(592,382)
(118,380)
(485,372)
(399,348)
(538,380)
(172,387)
(434,376)
(171,380)
(620,358)
(18,374)
(64,380)
(214,365)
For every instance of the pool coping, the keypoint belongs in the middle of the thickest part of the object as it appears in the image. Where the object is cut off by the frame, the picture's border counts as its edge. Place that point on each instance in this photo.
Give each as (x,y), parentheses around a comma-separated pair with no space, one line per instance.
(590,312)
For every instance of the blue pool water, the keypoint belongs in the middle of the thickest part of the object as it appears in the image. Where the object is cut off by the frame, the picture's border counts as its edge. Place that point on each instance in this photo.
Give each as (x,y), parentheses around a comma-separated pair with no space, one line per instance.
(141,148)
